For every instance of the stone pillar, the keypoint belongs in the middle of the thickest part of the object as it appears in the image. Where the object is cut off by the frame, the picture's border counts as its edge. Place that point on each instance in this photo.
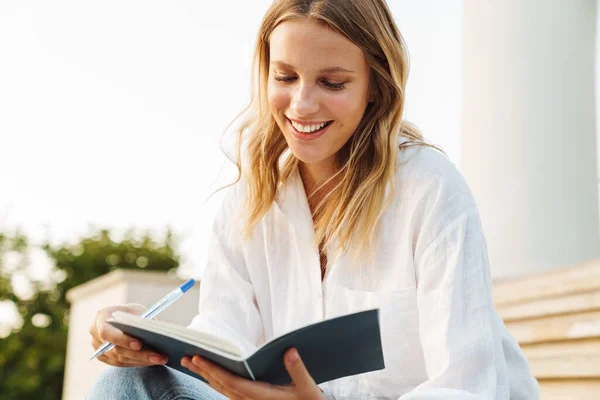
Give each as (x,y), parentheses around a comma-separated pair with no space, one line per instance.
(117,287)
(528,146)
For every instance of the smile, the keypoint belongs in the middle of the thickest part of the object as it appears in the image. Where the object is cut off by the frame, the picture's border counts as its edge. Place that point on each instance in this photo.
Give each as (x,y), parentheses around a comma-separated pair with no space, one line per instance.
(309,131)
(309,128)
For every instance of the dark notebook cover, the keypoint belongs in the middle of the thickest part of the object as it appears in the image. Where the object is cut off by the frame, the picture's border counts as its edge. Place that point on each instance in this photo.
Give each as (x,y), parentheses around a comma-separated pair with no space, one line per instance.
(330,349)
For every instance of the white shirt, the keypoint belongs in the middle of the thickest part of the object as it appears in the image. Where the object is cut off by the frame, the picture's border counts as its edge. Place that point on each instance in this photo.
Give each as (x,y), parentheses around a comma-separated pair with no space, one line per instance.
(442,338)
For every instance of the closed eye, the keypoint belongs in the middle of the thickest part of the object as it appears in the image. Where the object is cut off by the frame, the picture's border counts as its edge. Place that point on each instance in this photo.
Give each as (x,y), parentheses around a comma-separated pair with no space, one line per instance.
(285,78)
(329,85)
(334,86)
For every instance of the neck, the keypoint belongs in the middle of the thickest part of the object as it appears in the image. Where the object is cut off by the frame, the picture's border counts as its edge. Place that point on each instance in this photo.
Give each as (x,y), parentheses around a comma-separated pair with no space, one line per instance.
(313,177)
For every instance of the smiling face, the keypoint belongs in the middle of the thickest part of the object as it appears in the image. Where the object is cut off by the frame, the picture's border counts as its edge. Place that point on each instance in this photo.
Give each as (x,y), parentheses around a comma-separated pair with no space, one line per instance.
(318,89)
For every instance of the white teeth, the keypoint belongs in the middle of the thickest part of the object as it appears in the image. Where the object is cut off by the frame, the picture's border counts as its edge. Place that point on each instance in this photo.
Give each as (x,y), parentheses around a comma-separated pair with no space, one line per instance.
(308,128)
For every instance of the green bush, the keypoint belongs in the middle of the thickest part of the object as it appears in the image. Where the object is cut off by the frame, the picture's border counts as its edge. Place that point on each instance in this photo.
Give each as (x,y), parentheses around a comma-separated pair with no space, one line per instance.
(32,357)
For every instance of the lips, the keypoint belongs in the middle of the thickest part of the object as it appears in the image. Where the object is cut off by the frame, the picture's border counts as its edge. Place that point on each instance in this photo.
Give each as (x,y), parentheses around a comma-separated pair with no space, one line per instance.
(308,127)
(309,135)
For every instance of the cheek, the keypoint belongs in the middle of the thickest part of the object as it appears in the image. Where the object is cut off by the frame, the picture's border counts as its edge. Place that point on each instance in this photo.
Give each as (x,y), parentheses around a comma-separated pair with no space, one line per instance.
(278,98)
(348,109)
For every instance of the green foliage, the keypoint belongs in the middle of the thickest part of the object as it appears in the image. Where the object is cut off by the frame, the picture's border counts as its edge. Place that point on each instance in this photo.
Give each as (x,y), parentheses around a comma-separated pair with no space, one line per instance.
(32,359)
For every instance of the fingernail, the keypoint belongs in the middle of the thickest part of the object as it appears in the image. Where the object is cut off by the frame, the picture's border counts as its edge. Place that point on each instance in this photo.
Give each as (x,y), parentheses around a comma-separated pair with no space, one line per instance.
(292,357)
(135,345)
(155,360)
(201,363)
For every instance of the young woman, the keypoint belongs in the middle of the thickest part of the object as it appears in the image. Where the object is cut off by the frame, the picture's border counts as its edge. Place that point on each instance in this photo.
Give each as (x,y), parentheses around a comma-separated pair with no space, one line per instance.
(343,208)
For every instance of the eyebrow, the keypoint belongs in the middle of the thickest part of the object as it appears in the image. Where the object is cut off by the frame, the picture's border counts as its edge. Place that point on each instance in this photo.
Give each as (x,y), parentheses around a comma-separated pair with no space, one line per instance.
(329,69)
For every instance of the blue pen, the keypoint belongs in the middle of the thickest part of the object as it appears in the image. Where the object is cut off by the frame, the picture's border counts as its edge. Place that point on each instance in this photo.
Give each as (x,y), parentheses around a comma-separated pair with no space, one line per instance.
(153,311)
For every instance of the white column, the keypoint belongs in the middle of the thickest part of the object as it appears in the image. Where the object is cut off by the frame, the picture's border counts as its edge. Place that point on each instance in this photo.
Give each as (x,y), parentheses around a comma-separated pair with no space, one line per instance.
(528,145)
(118,287)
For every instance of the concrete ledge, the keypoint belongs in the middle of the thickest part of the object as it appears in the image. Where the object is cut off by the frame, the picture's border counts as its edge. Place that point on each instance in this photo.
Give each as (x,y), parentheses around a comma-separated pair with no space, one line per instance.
(566,366)
(562,389)
(551,306)
(561,349)
(557,328)
(580,278)
(117,276)
(555,317)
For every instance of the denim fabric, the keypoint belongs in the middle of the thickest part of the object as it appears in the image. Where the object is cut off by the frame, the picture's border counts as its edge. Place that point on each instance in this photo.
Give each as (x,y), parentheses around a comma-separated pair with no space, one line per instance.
(144,383)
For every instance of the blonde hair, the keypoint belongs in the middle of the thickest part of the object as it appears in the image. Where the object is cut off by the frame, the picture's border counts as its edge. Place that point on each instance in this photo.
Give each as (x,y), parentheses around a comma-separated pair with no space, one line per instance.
(367,162)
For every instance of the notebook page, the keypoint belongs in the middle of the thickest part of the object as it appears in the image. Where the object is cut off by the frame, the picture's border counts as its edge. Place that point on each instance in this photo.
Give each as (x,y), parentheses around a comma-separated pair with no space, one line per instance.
(201,339)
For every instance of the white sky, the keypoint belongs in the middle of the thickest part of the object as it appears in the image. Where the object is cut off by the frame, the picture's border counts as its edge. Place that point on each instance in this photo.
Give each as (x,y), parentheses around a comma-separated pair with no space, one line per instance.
(111,112)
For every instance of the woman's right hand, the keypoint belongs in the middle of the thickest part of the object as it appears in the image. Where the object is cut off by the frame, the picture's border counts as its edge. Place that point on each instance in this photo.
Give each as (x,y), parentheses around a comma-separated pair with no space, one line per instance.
(128,351)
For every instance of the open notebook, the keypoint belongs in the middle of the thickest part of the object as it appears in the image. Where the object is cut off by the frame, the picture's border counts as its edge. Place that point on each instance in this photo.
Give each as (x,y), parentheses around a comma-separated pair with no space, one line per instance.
(330,349)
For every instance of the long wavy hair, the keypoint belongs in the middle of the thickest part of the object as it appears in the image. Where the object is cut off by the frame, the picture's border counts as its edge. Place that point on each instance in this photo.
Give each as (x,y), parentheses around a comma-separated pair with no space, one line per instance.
(367,162)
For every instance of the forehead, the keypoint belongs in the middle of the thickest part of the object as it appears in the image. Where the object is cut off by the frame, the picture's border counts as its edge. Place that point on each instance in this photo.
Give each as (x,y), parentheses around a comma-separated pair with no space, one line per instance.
(309,44)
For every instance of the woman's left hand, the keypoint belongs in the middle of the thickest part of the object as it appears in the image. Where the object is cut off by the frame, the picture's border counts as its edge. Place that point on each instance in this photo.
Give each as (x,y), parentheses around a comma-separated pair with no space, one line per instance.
(303,386)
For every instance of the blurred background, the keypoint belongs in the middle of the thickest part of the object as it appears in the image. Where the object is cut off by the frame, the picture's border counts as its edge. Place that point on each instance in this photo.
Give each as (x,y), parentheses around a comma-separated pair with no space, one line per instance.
(110,119)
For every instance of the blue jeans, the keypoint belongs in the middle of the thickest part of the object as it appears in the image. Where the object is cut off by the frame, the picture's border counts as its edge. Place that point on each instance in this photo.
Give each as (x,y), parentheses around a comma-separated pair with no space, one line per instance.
(145,383)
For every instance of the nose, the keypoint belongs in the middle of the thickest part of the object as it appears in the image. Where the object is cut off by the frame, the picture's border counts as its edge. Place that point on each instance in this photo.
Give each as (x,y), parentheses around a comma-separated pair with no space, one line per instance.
(304,101)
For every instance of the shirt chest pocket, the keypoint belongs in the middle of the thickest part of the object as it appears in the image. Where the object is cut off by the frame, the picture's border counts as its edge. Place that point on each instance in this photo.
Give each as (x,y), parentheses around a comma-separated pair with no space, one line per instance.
(400,341)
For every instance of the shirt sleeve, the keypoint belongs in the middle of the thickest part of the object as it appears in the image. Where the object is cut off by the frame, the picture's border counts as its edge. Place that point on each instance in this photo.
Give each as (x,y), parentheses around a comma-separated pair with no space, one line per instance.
(227,305)
(463,339)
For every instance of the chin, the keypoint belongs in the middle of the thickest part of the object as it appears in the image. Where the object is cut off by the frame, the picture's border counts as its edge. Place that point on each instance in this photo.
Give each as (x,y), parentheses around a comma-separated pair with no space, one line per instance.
(310,153)
(309,160)
(309,157)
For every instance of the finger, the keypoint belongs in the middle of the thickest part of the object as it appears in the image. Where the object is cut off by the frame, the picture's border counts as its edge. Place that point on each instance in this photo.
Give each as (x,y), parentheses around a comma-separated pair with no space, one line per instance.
(144,355)
(147,357)
(114,359)
(134,308)
(116,363)
(186,362)
(234,386)
(218,388)
(217,376)
(298,372)
(102,316)
(108,333)
(214,382)
(230,395)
